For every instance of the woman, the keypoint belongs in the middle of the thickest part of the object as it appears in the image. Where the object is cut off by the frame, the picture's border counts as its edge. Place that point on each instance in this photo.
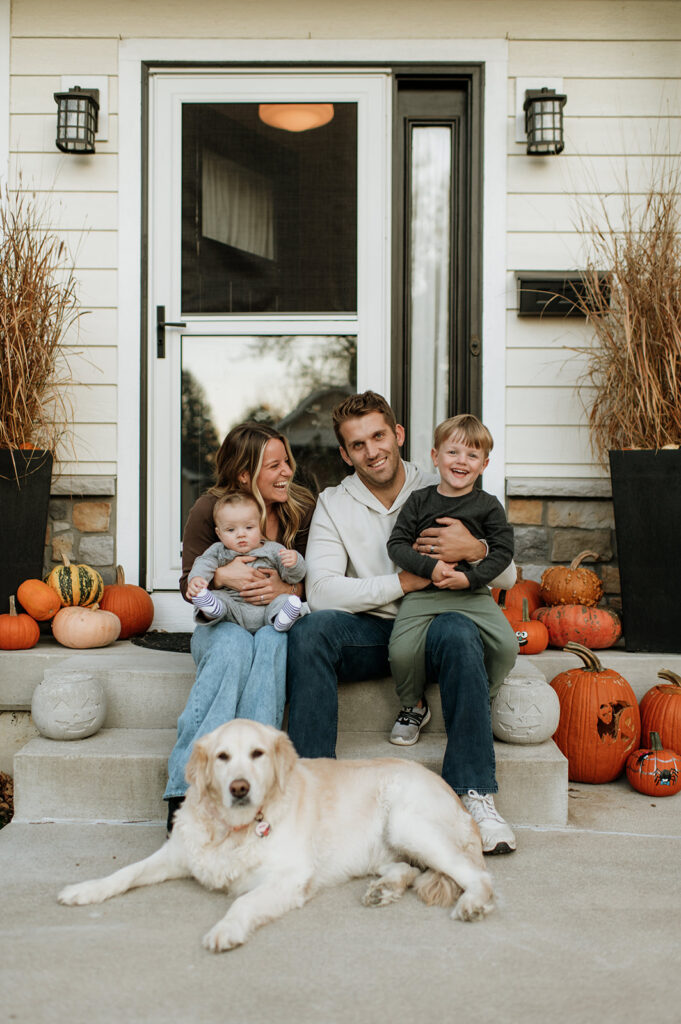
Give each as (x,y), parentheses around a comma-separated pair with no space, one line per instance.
(239,674)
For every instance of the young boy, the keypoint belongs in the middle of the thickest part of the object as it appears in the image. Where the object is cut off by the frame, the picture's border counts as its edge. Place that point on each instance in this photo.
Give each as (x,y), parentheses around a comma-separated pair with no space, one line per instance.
(237,524)
(461,452)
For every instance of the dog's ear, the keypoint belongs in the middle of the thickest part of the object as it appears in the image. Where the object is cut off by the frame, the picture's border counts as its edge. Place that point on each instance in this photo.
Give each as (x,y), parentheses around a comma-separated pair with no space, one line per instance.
(198,770)
(284,758)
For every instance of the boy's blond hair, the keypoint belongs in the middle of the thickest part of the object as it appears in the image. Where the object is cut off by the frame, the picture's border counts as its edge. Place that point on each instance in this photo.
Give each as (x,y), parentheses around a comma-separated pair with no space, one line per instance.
(466,427)
(234,498)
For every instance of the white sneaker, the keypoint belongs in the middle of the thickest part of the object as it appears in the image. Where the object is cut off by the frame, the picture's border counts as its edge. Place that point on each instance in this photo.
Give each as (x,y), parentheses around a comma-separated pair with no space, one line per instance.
(496,835)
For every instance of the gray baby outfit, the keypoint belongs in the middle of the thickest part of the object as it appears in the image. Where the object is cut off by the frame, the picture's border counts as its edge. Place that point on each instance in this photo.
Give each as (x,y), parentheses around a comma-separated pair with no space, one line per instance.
(236,609)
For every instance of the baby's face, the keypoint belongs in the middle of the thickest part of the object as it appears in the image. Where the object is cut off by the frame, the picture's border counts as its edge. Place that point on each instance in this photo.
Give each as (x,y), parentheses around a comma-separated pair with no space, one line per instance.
(238,527)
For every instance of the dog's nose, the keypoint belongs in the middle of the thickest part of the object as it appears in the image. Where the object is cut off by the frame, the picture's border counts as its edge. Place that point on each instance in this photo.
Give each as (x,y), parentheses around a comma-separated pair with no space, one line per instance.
(239,788)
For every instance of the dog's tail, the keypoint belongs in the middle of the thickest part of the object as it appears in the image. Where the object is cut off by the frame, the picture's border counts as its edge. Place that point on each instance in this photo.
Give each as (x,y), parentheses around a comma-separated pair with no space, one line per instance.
(436,889)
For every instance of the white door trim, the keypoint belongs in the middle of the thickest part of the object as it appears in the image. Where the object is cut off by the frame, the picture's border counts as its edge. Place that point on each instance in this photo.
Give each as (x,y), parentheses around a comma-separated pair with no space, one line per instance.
(493,53)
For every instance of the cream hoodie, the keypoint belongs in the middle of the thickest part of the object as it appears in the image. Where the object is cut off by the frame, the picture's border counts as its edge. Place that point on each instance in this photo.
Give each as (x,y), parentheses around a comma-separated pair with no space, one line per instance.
(349,568)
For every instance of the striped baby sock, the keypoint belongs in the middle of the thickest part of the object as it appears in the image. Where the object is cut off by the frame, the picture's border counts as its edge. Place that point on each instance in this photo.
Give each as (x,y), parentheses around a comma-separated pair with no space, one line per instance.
(287,614)
(208,603)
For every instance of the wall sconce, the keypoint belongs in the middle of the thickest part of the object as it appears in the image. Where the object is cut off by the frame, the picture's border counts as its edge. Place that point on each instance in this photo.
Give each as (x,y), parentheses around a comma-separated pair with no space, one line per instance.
(77,116)
(544,121)
(296,117)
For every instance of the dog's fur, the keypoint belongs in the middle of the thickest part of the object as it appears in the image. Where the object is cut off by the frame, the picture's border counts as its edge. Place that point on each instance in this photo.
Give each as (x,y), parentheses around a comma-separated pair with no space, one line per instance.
(329,821)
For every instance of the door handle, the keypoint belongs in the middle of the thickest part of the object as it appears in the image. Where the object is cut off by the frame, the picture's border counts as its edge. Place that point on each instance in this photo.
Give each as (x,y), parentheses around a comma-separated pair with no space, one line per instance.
(161,324)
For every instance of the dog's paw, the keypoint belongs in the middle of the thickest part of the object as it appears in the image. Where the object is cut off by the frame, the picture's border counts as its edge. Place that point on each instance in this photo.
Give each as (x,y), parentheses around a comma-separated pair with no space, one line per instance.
(471,908)
(80,894)
(223,936)
(380,894)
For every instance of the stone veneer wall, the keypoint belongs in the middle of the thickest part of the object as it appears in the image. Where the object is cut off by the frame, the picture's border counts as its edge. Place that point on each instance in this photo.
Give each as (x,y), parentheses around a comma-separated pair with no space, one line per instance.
(82,523)
(555,519)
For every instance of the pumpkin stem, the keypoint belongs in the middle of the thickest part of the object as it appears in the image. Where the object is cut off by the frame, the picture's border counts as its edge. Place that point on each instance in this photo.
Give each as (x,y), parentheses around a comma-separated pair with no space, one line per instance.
(655,741)
(65,560)
(120,576)
(519,574)
(591,662)
(666,673)
(12,605)
(525,617)
(575,563)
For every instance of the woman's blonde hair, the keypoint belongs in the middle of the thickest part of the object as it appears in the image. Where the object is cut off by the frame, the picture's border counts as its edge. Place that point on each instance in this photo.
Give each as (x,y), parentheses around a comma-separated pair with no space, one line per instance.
(467,427)
(242,453)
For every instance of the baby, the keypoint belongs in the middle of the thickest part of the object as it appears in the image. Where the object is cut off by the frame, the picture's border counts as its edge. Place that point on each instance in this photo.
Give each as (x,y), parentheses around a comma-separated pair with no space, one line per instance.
(237,524)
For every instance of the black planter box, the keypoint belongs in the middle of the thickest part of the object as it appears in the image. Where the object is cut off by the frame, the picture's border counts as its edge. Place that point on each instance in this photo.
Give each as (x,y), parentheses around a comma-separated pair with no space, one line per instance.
(23,518)
(646,494)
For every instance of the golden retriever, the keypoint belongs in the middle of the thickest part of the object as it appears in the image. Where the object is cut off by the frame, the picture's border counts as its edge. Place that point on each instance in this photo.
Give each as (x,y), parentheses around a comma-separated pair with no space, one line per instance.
(274,829)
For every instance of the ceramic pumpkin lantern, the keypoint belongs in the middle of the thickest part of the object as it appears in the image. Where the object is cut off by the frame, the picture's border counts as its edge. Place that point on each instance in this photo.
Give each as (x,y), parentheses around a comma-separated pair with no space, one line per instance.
(661,710)
(599,722)
(38,599)
(525,709)
(68,705)
(76,584)
(18,632)
(533,636)
(572,585)
(85,627)
(130,603)
(512,600)
(655,771)
(595,628)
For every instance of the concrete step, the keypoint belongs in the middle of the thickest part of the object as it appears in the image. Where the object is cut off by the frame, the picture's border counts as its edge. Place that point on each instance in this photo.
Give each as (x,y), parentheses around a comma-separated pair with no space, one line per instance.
(120,775)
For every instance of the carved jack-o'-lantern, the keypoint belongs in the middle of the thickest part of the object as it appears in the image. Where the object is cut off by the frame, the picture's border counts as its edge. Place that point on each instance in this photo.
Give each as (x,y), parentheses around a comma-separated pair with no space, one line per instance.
(525,709)
(68,705)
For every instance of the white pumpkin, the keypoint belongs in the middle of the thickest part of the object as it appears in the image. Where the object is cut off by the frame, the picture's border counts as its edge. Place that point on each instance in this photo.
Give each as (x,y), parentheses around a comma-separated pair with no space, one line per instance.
(81,627)
(68,705)
(525,709)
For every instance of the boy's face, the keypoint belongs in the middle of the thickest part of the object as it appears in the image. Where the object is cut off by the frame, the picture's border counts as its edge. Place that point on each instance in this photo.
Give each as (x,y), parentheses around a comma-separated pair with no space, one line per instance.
(238,527)
(459,465)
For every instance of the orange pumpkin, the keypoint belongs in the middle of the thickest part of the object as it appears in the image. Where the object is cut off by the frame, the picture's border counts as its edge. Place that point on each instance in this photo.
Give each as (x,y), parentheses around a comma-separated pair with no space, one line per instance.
(130,603)
(40,601)
(512,600)
(80,627)
(533,636)
(596,628)
(655,771)
(18,632)
(661,710)
(573,585)
(599,722)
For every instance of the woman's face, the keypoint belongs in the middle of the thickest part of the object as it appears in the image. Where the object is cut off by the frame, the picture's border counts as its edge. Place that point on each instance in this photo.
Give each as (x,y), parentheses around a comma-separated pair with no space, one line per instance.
(275,473)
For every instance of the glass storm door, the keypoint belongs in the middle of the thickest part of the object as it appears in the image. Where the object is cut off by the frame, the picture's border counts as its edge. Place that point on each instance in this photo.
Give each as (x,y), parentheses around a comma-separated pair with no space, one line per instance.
(268,294)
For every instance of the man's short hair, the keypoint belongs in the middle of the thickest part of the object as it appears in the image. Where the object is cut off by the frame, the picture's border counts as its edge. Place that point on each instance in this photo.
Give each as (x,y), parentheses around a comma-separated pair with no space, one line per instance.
(361,405)
(467,427)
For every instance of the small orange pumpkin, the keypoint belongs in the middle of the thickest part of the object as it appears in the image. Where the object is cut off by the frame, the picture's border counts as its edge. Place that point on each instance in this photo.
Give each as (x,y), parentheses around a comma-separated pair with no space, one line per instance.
(40,601)
(596,628)
(18,632)
(599,722)
(661,710)
(512,600)
(574,585)
(533,636)
(655,771)
(130,603)
(80,627)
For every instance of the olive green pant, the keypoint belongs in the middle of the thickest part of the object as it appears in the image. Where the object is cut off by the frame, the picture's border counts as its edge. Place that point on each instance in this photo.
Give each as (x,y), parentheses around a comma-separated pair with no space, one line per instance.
(407,650)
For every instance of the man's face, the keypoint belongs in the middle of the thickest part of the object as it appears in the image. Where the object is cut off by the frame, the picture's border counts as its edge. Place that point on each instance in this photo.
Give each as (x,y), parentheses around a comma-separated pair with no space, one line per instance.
(373,449)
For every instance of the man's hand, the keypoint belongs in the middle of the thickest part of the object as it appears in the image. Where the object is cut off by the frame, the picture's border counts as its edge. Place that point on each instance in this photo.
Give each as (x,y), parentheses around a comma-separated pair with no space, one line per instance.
(450,542)
(410,583)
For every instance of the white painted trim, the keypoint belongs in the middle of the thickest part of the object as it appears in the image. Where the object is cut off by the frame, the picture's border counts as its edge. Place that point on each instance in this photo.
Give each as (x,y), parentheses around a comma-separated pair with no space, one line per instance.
(493,53)
(5,23)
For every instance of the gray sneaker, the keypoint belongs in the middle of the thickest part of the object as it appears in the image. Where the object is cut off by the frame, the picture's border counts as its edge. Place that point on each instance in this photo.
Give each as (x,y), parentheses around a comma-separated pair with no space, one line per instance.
(496,835)
(408,725)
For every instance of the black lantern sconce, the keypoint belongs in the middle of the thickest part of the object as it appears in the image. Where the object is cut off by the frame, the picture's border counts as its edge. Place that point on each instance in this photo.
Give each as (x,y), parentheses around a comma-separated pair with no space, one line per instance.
(544,121)
(77,117)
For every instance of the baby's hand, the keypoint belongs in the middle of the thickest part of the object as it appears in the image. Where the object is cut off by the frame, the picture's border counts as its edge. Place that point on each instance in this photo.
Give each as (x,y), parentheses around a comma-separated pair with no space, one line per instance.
(196,585)
(288,558)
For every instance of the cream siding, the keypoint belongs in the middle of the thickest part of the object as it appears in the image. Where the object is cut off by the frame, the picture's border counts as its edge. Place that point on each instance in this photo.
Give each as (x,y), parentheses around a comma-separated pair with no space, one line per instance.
(620,63)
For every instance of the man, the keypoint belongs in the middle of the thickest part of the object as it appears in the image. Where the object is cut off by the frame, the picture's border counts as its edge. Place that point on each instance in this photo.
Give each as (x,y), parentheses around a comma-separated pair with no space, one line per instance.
(353,590)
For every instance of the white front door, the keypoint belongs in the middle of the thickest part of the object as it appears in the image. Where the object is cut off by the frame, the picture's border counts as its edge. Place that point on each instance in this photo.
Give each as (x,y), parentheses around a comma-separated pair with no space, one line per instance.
(269,273)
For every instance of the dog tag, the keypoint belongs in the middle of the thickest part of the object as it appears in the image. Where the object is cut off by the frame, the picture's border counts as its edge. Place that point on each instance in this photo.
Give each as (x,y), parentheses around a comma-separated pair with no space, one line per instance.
(262,829)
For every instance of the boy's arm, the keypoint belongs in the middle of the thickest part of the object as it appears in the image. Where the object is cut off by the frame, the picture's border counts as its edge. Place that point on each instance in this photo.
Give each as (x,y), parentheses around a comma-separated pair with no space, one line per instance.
(401,539)
(499,538)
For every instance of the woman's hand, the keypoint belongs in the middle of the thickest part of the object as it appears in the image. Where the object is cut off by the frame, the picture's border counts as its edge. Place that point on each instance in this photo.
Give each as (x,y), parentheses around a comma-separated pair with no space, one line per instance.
(450,542)
(265,588)
(237,574)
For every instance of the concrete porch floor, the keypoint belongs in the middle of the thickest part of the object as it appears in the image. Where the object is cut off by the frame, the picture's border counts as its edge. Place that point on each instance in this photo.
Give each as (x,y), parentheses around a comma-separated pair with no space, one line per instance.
(586,930)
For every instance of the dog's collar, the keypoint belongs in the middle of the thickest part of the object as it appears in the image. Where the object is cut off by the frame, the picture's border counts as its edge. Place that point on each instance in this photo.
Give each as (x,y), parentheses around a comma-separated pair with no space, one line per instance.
(262,827)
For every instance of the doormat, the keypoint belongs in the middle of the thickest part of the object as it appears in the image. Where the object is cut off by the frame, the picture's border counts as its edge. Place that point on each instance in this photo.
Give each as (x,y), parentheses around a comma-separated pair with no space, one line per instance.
(158,640)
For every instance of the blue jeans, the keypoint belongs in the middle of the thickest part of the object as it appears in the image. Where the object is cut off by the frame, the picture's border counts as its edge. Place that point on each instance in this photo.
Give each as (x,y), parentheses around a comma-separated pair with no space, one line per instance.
(330,646)
(238,675)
